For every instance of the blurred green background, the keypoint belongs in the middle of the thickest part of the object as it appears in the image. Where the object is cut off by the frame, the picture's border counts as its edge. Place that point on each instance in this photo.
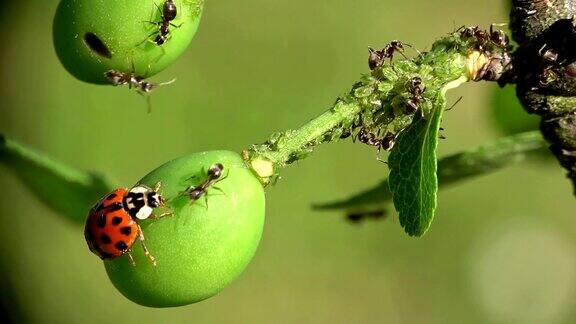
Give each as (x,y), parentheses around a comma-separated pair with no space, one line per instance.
(501,250)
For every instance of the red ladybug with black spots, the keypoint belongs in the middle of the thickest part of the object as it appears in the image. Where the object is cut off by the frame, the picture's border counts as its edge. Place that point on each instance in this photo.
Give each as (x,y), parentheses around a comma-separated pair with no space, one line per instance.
(112,224)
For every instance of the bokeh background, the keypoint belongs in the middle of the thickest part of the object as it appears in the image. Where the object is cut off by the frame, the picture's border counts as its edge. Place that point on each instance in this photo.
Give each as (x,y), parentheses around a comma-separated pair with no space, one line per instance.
(501,250)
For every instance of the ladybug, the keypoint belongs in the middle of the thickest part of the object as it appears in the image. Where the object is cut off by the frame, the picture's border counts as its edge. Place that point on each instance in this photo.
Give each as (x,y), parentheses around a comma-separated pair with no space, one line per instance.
(112,224)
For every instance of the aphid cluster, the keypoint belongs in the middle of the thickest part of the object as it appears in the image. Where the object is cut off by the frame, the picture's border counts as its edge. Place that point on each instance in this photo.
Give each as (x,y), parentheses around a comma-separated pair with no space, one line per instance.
(494,46)
(484,40)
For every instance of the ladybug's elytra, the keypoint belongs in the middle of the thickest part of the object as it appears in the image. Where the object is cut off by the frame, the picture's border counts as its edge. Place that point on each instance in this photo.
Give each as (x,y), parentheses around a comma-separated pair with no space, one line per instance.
(112,225)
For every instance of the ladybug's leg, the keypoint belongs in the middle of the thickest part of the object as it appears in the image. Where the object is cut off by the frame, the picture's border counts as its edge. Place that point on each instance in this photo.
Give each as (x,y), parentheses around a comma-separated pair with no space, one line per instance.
(146,252)
(129,252)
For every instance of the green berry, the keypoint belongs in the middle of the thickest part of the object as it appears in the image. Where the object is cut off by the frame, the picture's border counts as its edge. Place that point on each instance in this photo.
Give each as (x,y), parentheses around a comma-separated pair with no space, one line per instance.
(94,36)
(201,248)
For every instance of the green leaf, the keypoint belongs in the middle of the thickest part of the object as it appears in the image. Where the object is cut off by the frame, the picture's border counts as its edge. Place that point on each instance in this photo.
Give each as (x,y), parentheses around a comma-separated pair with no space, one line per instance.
(455,169)
(64,189)
(412,164)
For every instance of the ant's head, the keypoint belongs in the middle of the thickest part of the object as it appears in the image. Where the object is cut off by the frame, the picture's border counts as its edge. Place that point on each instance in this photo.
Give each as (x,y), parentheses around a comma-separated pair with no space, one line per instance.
(215,171)
(472,31)
(388,141)
(499,38)
(146,87)
(396,44)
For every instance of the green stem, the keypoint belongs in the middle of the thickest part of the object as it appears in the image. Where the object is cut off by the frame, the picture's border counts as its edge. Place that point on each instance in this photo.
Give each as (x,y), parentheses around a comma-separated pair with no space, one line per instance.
(458,168)
(312,131)
(376,103)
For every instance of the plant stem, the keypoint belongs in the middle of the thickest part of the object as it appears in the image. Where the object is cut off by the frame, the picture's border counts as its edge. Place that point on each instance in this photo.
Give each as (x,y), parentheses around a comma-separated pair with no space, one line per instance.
(376,103)
(457,168)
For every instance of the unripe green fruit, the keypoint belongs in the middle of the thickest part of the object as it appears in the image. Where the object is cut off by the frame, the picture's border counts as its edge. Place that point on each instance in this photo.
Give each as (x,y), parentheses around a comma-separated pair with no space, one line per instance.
(200,249)
(94,36)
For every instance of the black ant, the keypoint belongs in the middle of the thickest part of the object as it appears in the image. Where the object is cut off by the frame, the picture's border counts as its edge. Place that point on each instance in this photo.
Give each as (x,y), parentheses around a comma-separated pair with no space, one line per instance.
(214,175)
(376,58)
(368,138)
(416,90)
(499,37)
(133,81)
(483,38)
(118,78)
(168,14)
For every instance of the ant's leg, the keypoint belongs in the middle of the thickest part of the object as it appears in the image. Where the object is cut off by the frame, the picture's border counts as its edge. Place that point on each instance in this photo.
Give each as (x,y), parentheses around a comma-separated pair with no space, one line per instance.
(146,252)
(159,10)
(379,155)
(152,22)
(222,193)
(403,55)
(414,48)
(206,200)
(161,54)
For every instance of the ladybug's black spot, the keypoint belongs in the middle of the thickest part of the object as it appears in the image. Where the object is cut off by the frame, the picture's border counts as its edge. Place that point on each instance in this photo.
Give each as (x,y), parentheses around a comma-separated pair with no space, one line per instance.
(116,220)
(114,207)
(126,230)
(134,201)
(96,45)
(111,196)
(105,239)
(97,208)
(101,221)
(121,246)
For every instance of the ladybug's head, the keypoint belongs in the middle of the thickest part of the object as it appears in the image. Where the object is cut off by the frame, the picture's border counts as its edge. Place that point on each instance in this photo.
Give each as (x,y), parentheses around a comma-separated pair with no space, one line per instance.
(141,200)
(154,199)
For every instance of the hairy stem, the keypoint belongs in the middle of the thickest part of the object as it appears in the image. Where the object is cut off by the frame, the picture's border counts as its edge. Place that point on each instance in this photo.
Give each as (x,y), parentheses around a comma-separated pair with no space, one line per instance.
(376,103)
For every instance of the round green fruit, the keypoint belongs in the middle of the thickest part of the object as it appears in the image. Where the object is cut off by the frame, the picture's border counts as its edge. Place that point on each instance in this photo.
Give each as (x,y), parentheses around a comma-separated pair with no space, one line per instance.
(205,245)
(92,37)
